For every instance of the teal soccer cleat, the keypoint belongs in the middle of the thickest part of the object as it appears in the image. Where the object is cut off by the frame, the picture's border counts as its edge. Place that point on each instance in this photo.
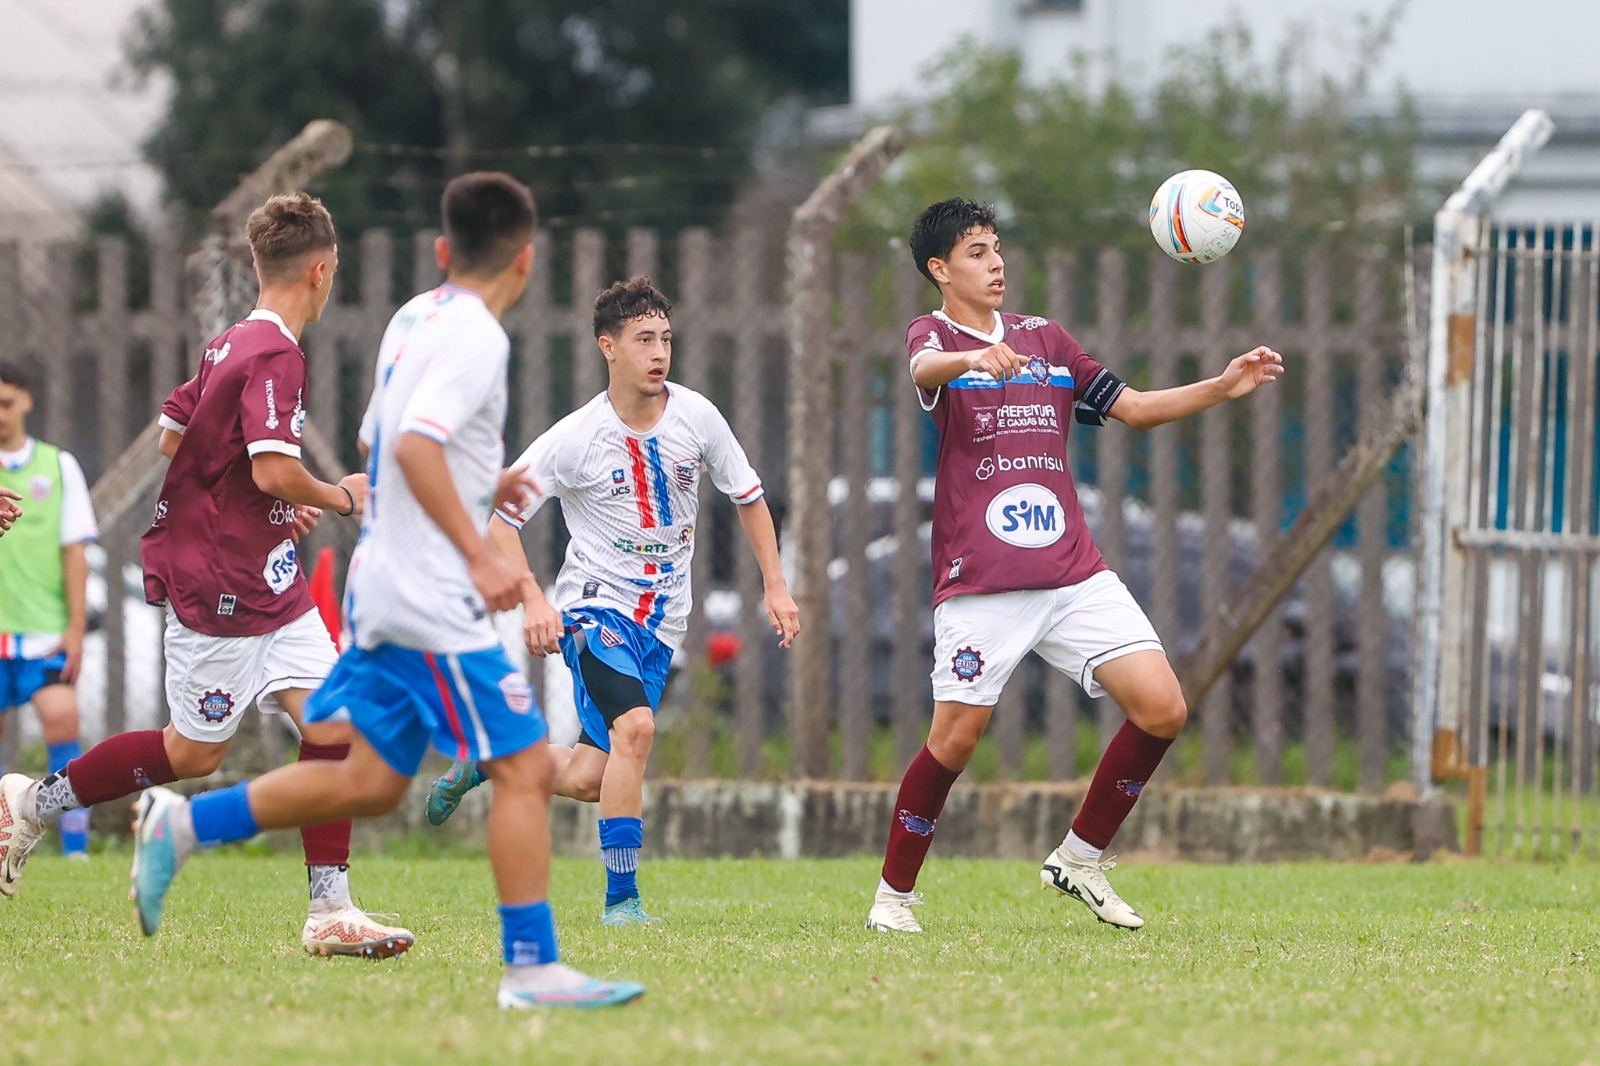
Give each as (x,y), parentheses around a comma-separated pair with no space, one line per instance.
(561,986)
(162,841)
(445,795)
(629,912)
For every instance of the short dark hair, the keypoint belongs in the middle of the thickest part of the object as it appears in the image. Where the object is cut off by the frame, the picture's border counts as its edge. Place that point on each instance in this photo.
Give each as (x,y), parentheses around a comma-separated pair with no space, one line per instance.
(940,227)
(285,228)
(625,301)
(488,218)
(14,375)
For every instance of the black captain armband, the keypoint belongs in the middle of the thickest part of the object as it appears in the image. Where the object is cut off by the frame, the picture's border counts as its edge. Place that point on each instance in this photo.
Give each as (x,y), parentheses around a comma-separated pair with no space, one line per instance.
(1103,390)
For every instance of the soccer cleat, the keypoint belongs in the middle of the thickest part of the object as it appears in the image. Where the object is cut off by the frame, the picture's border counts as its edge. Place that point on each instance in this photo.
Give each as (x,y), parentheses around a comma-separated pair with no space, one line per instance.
(891,913)
(162,841)
(20,828)
(1069,874)
(348,930)
(445,795)
(629,912)
(557,985)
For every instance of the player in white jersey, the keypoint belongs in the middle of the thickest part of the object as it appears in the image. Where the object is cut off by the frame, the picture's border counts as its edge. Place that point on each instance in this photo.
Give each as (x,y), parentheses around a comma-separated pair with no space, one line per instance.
(426,663)
(626,467)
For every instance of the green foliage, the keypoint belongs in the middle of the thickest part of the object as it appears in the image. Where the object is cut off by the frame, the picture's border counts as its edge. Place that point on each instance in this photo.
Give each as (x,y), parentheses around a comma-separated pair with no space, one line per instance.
(1071,165)
(551,90)
(766,961)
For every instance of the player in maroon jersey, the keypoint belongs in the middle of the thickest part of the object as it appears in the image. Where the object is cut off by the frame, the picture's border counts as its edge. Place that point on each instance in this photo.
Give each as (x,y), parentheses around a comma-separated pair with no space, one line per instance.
(241,628)
(1015,569)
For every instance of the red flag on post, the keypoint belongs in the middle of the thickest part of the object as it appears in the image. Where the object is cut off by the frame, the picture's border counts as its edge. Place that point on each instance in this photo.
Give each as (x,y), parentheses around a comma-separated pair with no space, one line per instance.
(324,595)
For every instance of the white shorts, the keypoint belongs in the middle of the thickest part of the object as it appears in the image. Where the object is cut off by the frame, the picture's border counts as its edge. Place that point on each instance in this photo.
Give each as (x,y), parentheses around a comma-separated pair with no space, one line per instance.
(979,640)
(211,681)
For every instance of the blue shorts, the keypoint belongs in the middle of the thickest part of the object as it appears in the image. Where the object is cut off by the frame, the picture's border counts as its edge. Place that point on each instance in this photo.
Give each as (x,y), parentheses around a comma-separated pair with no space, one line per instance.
(621,644)
(21,678)
(471,706)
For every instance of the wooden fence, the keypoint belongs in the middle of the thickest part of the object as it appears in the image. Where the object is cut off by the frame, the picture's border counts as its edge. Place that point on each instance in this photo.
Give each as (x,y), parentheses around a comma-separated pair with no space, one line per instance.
(1318,696)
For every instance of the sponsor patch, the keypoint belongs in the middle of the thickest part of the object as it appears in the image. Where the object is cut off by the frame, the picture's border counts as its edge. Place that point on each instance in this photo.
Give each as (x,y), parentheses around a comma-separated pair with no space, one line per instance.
(967,664)
(272,406)
(39,487)
(283,566)
(519,697)
(226,603)
(985,469)
(686,534)
(216,705)
(618,477)
(983,425)
(591,589)
(161,511)
(955,567)
(923,827)
(1026,516)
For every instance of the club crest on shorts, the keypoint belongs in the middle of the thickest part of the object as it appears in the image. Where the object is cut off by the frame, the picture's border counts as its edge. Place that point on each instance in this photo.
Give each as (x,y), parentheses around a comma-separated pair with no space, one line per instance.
(967,664)
(216,705)
(519,697)
(923,827)
(610,637)
(1131,788)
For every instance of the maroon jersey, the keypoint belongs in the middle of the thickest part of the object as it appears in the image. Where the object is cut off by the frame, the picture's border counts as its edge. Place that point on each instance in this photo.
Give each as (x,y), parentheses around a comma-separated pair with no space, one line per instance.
(1005,511)
(220,550)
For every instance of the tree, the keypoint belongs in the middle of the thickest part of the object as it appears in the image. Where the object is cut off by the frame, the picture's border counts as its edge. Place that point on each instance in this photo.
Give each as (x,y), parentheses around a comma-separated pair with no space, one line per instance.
(1072,167)
(615,111)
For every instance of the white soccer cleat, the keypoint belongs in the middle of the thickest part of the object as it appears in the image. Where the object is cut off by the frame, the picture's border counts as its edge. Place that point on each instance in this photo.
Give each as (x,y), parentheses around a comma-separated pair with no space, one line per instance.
(891,913)
(559,985)
(20,828)
(1068,874)
(346,929)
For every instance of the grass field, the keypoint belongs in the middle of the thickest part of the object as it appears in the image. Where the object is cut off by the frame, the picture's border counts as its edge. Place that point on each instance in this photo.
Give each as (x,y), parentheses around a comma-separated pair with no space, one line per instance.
(766,962)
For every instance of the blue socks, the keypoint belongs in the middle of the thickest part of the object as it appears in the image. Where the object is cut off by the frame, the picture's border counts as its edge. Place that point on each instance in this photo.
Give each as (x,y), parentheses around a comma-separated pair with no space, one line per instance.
(223,816)
(74,824)
(620,841)
(528,934)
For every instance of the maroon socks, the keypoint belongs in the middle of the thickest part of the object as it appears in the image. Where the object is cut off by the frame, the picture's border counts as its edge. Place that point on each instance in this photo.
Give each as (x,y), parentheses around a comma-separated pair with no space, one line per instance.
(120,766)
(1129,760)
(916,813)
(327,844)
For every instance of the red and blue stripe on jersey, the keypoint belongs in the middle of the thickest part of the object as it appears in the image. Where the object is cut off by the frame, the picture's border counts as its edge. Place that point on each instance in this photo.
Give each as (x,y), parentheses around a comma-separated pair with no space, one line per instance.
(649,484)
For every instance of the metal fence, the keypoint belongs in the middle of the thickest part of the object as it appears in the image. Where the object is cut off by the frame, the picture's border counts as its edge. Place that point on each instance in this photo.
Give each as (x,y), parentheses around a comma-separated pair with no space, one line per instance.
(1320,695)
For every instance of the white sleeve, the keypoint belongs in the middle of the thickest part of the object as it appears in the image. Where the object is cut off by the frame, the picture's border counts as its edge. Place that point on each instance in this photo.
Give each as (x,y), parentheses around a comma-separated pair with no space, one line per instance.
(369,420)
(454,385)
(730,469)
(542,463)
(77,512)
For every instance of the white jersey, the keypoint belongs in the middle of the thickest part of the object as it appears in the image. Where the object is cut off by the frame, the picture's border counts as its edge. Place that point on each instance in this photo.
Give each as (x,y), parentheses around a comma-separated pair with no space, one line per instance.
(631,501)
(441,373)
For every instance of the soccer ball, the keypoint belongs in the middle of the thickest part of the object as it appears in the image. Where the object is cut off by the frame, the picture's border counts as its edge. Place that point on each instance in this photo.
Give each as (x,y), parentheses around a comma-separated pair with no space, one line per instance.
(1197,216)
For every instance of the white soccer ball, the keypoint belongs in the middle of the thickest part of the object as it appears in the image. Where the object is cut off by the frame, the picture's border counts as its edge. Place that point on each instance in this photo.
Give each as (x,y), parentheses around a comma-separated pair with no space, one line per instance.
(1197,216)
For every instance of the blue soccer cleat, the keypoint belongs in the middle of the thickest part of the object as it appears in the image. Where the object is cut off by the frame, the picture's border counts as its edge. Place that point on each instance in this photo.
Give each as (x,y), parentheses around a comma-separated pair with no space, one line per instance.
(445,795)
(162,841)
(557,985)
(629,912)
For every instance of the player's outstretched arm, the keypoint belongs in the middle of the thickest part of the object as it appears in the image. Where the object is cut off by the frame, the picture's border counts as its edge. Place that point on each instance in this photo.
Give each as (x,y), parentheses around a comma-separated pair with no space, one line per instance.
(285,478)
(422,462)
(1146,410)
(931,368)
(782,613)
(541,623)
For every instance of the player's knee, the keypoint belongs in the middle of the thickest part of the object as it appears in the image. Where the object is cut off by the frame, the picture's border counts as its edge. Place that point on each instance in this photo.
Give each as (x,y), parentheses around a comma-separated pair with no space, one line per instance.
(1166,718)
(633,733)
(376,797)
(584,791)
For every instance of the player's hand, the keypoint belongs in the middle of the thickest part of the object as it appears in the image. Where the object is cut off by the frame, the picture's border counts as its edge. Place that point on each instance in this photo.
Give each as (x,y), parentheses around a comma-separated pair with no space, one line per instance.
(305,520)
(72,646)
(1252,369)
(499,583)
(541,624)
(9,511)
(997,360)
(359,490)
(783,615)
(515,490)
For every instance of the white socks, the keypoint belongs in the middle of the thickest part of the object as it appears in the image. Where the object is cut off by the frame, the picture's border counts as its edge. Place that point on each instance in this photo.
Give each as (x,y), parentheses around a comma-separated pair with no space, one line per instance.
(1081,847)
(884,888)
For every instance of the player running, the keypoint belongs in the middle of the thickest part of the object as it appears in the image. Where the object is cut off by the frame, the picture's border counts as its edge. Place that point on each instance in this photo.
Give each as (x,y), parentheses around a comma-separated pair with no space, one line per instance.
(1014,567)
(44,577)
(427,664)
(626,467)
(220,555)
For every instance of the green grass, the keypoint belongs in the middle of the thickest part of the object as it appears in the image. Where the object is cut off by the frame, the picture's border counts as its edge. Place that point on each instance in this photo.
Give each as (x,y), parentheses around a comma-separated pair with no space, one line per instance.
(765,961)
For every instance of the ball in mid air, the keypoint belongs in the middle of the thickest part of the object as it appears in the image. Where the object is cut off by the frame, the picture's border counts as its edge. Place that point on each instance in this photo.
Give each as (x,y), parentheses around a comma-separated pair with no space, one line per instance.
(1197,216)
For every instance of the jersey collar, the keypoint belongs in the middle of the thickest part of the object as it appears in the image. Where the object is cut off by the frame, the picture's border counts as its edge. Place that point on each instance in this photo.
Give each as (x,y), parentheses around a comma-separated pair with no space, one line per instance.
(18,459)
(995,337)
(261,314)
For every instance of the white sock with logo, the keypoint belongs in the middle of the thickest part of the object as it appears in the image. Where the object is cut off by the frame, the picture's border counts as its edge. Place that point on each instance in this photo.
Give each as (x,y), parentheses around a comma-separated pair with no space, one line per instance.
(1081,847)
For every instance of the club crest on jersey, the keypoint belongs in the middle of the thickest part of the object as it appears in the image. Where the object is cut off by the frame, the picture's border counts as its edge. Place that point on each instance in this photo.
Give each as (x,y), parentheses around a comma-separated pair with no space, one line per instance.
(519,697)
(923,827)
(216,705)
(685,474)
(610,637)
(1131,788)
(967,664)
(1039,370)
(618,476)
(39,487)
